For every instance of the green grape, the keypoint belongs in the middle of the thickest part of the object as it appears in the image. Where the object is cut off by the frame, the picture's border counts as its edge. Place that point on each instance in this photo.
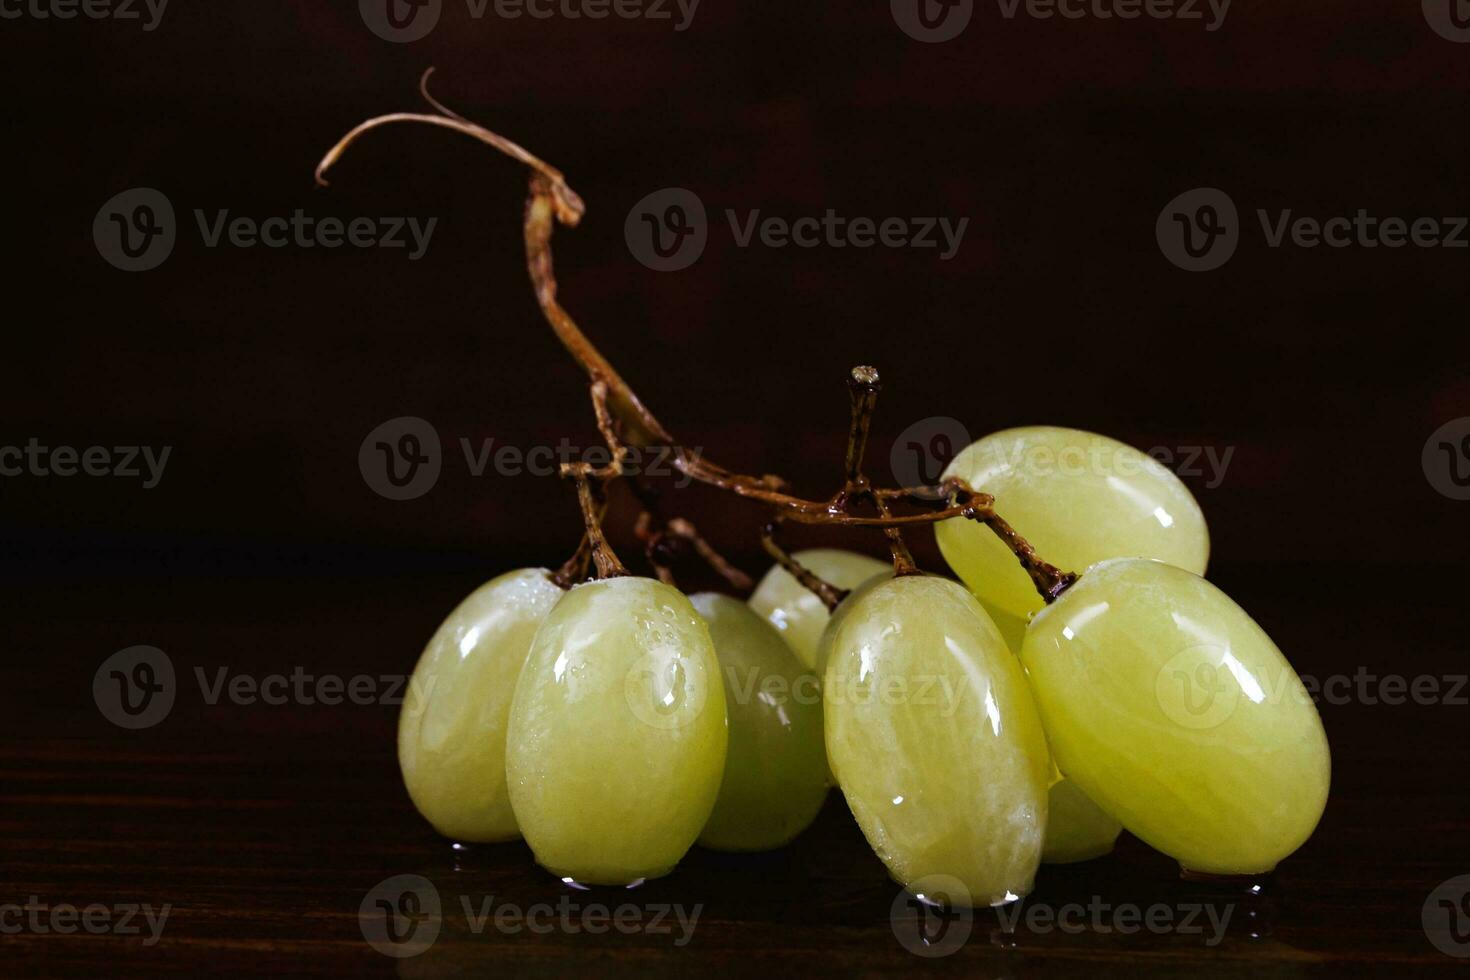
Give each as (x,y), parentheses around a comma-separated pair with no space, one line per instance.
(844,608)
(617,733)
(451,732)
(794,610)
(1077,829)
(776,765)
(934,739)
(1079,498)
(1175,712)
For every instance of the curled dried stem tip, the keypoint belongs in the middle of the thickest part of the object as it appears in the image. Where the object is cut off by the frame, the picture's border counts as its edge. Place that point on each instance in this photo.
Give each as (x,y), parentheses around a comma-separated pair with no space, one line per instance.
(568,206)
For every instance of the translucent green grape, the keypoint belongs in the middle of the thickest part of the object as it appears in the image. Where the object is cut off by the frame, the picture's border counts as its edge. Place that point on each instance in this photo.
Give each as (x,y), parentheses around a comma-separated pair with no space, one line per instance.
(617,735)
(934,739)
(776,765)
(845,607)
(1077,829)
(794,610)
(1079,498)
(451,732)
(1175,712)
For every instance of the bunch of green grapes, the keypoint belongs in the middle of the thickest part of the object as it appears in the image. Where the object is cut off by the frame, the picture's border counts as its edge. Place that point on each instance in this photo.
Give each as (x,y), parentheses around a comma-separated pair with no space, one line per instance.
(974,731)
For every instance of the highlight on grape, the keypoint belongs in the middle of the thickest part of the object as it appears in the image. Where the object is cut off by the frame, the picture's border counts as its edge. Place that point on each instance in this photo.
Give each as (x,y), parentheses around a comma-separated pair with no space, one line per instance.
(1071,674)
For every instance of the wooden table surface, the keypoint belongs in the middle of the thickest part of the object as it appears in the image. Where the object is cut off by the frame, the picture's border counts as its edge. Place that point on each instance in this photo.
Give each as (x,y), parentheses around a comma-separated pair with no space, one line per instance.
(264,828)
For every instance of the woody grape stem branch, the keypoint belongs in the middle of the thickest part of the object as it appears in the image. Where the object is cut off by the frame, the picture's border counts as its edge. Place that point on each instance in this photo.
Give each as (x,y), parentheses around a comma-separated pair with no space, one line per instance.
(552,201)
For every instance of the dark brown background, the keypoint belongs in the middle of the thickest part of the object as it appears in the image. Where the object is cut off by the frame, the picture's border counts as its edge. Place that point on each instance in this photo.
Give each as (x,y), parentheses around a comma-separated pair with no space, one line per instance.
(1326,370)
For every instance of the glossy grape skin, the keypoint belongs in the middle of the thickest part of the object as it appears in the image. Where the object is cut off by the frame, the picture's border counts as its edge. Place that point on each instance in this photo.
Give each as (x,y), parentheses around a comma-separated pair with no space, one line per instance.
(1175,712)
(451,731)
(776,765)
(617,735)
(1078,498)
(794,610)
(844,608)
(934,739)
(1077,829)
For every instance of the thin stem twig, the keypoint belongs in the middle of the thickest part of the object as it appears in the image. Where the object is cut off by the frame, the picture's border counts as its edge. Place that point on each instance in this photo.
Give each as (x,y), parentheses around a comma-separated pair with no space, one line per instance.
(830,594)
(608,565)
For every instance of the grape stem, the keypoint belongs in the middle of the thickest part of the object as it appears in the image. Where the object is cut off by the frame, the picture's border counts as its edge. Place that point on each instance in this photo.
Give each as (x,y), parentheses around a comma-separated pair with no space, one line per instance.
(593,507)
(625,421)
